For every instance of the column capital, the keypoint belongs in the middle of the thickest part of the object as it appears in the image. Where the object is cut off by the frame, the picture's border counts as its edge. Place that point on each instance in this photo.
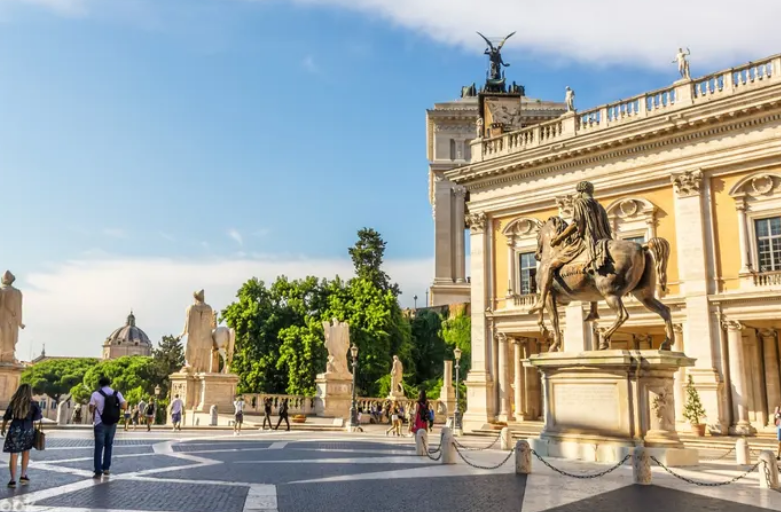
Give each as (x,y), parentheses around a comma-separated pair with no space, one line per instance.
(687,183)
(501,337)
(732,325)
(768,333)
(740,203)
(678,328)
(459,190)
(476,222)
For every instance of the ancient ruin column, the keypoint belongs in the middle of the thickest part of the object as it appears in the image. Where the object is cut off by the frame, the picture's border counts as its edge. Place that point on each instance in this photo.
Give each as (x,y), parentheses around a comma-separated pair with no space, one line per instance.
(680,376)
(772,378)
(520,381)
(459,194)
(737,376)
(504,379)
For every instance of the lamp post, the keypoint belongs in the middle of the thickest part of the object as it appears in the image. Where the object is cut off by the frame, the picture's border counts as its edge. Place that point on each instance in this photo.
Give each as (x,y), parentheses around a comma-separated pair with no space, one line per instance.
(353,409)
(157,391)
(415,298)
(457,420)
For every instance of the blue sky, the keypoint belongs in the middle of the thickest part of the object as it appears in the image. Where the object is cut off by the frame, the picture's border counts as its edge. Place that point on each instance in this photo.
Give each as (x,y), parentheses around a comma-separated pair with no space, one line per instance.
(148,149)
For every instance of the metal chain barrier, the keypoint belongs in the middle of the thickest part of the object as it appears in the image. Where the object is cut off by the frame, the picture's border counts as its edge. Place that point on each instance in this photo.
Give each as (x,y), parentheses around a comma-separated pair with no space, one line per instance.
(477,449)
(478,466)
(582,477)
(721,457)
(706,484)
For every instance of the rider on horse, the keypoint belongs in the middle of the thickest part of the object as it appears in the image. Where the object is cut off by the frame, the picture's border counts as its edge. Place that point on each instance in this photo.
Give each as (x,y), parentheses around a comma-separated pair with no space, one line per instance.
(591,229)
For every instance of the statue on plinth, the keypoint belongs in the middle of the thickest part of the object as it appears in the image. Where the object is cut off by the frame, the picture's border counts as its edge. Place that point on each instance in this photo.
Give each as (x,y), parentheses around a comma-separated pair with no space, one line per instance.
(337,342)
(10,317)
(569,99)
(223,343)
(681,58)
(397,372)
(198,329)
(582,262)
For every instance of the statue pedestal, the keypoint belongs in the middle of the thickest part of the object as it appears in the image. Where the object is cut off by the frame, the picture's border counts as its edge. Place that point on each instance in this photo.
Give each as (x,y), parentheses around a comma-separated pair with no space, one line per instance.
(398,395)
(334,395)
(10,373)
(199,391)
(600,405)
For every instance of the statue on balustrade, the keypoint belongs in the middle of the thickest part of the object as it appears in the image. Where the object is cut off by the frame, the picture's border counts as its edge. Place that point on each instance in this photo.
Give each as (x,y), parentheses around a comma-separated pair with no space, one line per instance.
(581,262)
(569,99)
(683,62)
(337,342)
(10,317)
(397,372)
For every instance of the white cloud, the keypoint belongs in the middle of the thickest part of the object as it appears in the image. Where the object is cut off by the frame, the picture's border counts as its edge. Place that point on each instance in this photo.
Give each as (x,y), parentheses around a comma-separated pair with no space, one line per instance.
(309,65)
(234,234)
(73,307)
(115,233)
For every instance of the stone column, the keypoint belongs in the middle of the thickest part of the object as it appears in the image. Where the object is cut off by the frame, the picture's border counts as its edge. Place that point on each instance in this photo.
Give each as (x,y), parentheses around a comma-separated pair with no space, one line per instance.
(443,230)
(504,379)
(745,261)
(680,376)
(532,399)
(701,323)
(772,376)
(480,402)
(737,376)
(520,381)
(459,195)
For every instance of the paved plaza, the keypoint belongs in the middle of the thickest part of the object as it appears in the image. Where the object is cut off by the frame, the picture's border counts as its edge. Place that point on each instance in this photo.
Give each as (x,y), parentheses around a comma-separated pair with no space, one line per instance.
(336,472)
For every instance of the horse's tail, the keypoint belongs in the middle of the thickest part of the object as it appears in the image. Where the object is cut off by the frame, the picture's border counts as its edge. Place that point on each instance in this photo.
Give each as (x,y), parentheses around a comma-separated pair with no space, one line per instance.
(660,250)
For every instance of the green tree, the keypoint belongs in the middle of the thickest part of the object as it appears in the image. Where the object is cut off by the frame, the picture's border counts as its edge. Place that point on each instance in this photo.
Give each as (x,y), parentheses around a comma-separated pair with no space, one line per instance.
(367,255)
(169,354)
(457,332)
(56,377)
(133,376)
(429,350)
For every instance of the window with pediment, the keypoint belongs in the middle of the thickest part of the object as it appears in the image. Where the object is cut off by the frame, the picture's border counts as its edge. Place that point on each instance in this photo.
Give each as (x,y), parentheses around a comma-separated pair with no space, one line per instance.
(521,236)
(632,219)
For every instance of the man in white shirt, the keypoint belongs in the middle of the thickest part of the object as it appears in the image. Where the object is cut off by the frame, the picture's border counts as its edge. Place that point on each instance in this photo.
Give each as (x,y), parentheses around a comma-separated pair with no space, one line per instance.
(239,414)
(106,406)
(177,407)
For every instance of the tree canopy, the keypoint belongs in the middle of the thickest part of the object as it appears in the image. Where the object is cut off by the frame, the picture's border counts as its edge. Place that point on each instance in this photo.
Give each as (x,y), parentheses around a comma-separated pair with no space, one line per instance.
(56,377)
(133,376)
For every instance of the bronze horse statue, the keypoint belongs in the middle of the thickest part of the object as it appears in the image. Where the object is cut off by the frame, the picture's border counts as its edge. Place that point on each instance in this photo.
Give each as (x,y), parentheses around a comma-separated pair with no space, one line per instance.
(632,268)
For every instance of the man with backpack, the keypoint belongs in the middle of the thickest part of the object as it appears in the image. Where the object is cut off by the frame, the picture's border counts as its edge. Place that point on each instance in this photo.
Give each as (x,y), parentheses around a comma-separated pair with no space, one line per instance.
(150,413)
(106,405)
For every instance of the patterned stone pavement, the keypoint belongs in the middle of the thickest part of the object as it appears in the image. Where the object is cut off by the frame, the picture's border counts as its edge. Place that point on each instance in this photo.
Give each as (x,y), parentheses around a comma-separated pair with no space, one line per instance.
(334,472)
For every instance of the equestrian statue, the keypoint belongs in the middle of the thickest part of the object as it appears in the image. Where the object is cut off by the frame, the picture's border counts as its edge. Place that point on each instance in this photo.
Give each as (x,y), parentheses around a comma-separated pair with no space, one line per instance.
(581,262)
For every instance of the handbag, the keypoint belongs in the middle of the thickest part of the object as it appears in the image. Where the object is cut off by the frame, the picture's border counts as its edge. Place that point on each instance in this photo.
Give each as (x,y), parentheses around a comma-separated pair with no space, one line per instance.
(39,438)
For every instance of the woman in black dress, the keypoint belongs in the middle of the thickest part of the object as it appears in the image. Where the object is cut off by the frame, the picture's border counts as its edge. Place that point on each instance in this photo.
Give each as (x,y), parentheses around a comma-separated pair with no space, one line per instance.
(22,412)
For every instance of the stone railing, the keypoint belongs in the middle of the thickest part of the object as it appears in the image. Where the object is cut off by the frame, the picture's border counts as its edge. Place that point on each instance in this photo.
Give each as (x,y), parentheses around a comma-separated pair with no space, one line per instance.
(297,404)
(527,300)
(681,94)
(767,279)
(440,408)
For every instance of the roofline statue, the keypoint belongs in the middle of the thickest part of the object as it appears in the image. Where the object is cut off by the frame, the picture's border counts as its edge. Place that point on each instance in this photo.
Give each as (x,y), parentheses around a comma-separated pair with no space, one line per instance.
(495,76)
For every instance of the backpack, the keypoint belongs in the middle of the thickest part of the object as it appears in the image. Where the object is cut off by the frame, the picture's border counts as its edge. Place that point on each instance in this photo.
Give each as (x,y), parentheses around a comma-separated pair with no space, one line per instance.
(110,414)
(150,409)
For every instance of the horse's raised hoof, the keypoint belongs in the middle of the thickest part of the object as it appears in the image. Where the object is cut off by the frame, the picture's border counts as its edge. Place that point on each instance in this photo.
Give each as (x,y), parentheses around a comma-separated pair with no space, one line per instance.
(666,346)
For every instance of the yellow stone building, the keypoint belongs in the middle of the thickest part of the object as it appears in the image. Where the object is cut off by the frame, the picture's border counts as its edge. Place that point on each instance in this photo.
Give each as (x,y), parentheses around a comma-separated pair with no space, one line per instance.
(697,163)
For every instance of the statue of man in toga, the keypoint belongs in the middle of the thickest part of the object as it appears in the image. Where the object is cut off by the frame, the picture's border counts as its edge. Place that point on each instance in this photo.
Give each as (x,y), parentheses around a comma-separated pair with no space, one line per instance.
(10,317)
(198,329)
(397,372)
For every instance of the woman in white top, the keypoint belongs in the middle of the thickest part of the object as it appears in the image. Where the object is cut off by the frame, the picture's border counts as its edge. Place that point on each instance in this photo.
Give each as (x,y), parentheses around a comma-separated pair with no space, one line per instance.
(239,414)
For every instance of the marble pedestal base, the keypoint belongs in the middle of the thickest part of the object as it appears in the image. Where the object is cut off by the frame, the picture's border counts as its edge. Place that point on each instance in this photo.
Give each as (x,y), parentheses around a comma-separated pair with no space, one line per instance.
(600,405)
(396,395)
(10,373)
(334,395)
(199,391)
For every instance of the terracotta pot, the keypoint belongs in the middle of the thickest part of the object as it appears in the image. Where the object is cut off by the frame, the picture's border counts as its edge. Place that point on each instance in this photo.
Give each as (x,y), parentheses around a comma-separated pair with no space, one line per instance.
(698,429)
(299,419)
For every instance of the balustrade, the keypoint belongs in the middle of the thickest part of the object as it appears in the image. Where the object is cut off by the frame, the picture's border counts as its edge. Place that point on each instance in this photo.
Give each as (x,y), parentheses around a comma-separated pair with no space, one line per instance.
(297,404)
(767,279)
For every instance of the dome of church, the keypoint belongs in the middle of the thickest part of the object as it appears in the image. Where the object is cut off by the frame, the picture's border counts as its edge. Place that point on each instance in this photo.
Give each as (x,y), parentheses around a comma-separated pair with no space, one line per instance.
(127,340)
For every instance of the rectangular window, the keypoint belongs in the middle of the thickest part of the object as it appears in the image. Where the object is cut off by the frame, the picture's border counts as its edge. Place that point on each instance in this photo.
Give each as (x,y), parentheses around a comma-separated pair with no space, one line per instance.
(635,239)
(468,150)
(452,149)
(769,243)
(528,271)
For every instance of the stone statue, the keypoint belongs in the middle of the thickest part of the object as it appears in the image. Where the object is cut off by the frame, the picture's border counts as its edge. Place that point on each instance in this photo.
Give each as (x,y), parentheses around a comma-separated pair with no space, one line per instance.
(495,57)
(337,342)
(683,62)
(223,343)
(397,372)
(469,91)
(581,262)
(197,328)
(480,124)
(569,99)
(10,317)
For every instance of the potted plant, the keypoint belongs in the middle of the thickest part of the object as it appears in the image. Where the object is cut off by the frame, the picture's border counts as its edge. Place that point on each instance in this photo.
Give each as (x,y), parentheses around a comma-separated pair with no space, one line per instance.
(299,418)
(693,409)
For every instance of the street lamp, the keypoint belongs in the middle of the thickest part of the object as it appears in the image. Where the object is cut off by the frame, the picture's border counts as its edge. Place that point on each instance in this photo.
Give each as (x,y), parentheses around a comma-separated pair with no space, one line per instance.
(415,298)
(457,420)
(353,409)
(157,391)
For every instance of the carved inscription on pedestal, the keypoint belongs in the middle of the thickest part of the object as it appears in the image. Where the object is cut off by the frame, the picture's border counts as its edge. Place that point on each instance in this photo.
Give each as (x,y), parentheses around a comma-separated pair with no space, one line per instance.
(589,407)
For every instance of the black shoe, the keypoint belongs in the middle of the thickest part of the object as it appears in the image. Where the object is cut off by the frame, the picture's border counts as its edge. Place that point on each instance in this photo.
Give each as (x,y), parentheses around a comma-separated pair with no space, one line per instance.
(12,484)
(106,472)
(24,480)
(97,476)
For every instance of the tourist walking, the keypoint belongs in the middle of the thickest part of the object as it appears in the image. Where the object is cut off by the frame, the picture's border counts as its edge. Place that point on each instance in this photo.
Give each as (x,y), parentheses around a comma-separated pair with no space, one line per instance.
(106,406)
(136,417)
(177,408)
(283,407)
(238,414)
(419,420)
(22,412)
(127,418)
(395,428)
(267,407)
(150,413)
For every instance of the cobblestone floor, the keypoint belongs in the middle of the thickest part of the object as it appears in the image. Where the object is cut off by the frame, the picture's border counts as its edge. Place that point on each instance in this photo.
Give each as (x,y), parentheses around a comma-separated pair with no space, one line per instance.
(338,472)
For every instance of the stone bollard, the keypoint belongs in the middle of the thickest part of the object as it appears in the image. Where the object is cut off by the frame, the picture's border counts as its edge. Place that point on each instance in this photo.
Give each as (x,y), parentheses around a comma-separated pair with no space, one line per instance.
(213,416)
(421,442)
(506,439)
(768,471)
(641,466)
(742,454)
(448,446)
(523,458)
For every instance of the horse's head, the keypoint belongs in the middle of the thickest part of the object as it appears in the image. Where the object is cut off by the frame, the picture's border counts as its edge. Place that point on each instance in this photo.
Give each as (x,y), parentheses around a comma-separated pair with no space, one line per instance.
(552,227)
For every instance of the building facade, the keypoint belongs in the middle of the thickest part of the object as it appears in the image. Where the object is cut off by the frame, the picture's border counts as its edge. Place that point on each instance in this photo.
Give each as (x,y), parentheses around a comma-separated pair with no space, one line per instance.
(698,164)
